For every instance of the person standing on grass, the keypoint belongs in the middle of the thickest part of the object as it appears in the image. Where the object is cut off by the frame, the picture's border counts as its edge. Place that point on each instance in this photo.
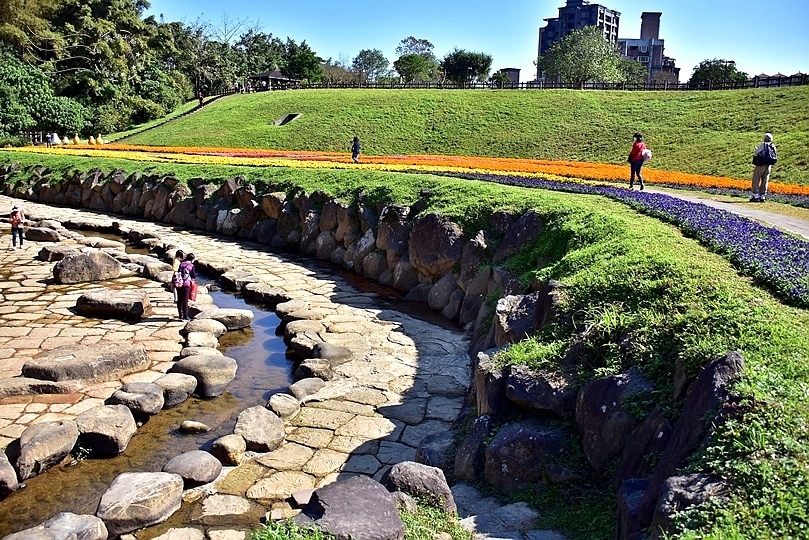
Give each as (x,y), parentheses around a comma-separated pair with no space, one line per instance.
(182,284)
(355,149)
(764,157)
(17,220)
(636,161)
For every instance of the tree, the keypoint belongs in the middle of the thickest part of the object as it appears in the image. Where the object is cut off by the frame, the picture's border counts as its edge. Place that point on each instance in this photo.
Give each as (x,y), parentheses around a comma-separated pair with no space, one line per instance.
(463,67)
(370,64)
(335,71)
(413,67)
(258,52)
(581,56)
(301,62)
(633,72)
(500,79)
(716,71)
(412,45)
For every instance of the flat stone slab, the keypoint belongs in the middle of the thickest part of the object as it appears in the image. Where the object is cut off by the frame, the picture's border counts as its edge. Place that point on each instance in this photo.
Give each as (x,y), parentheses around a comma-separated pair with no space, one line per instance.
(86,267)
(87,363)
(115,303)
(233,319)
(25,386)
(213,373)
(226,510)
(64,526)
(280,485)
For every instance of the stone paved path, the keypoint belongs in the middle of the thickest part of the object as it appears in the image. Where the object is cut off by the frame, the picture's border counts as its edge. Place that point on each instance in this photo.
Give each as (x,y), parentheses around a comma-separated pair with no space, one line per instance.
(407,379)
(757,213)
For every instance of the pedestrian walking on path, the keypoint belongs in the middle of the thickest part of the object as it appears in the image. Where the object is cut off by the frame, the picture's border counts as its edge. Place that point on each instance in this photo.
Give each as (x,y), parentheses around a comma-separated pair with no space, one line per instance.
(764,157)
(636,161)
(179,257)
(183,279)
(17,220)
(355,149)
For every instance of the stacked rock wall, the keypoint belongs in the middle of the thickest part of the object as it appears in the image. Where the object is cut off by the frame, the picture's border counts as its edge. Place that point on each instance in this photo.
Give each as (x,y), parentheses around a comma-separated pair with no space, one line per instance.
(424,255)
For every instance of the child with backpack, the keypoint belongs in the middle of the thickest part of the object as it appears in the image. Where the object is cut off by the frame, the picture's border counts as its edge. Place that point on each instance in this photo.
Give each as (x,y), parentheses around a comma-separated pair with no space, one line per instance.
(764,157)
(183,278)
(17,220)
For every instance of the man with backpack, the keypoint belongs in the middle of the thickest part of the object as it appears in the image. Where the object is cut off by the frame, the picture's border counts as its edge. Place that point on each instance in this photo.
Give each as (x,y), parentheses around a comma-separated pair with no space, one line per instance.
(764,157)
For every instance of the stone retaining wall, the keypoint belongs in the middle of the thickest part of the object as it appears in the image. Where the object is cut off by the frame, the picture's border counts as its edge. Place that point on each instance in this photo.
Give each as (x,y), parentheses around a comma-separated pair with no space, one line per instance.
(423,255)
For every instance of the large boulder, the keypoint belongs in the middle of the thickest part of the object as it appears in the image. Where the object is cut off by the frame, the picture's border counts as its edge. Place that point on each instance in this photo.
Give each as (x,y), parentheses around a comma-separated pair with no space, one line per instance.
(213,373)
(233,319)
(87,266)
(470,457)
(421,481)
(44,445)
(358,508)
(115,303)
(705,398)
(65,526)
(681,492)
(542,391)
(106,429)
(649,440)
(261,429)
(517,455)
(196,467)
(435,245)
(515,316)
(526,229)
(604,417)
(97,362)
(142,398)
(136,500)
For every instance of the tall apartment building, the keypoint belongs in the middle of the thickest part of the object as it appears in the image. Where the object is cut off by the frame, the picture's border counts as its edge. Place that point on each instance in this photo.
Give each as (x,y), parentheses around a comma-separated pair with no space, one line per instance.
(649,50)
(578,14)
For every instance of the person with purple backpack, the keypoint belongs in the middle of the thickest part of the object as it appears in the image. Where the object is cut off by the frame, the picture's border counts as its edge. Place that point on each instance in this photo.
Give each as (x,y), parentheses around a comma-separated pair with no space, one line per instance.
(182,281)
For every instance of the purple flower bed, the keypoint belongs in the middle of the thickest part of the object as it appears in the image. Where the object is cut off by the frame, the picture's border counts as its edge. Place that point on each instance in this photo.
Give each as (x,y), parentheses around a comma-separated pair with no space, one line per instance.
(775,258)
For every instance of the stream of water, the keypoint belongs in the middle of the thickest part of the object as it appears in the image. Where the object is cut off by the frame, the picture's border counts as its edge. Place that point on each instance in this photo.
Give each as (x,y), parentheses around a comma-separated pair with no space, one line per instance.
(263,370)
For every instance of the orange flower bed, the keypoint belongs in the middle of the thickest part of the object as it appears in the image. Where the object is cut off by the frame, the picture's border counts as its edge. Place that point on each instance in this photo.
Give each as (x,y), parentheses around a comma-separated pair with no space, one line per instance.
(569,169)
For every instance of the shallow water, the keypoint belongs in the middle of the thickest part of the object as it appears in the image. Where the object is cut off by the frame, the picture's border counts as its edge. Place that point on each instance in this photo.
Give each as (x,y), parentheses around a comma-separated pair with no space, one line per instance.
(263,370)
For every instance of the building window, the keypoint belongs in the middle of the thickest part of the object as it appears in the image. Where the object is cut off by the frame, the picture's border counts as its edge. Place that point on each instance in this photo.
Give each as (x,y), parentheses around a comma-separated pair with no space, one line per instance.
(643,59)
(643,48)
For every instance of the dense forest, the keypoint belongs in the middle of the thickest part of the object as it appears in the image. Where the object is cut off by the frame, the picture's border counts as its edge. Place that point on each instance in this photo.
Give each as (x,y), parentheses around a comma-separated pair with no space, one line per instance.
(98,66)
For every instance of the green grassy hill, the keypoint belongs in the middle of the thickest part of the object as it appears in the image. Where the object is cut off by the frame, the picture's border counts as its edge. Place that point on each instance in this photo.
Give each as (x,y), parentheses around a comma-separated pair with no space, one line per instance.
(700,132)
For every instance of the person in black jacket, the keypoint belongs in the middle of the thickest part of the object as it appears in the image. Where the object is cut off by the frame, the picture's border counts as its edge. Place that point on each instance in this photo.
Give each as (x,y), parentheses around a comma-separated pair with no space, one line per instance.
(355,149)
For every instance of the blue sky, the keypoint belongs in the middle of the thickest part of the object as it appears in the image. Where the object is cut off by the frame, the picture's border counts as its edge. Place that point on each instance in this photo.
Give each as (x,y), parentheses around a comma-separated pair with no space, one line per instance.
(762,37)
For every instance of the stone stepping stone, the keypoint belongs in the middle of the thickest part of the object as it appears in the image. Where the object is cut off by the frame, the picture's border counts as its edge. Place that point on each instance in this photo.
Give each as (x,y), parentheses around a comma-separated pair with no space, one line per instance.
(107,429)
(42,234)
(213,373)
(229,449)
(233,319)
(115,304)
(421,481)
(177,387)
(8,477)
(63,526)
(185,533)
(87,266)
(97,363)
(136,500)
(101,243)
(196,467)
(208,326)
(142,398)
(201,340)
(284,405)
(262,430)
(45,445)
(56,252)
(24,386)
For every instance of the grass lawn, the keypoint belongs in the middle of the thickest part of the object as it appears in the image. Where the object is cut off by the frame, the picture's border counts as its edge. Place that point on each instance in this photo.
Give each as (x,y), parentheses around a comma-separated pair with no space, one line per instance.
(699,132)
(623,274)
(182,109)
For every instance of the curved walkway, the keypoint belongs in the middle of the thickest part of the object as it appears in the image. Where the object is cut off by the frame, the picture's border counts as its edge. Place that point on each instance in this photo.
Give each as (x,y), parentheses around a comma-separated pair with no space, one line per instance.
(796,226)
(406,379)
